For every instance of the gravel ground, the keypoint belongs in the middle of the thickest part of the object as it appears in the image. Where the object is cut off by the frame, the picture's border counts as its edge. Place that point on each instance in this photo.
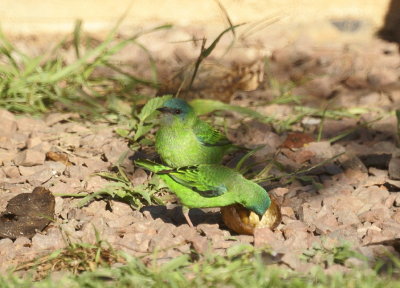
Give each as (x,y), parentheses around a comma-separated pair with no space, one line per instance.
(353,198)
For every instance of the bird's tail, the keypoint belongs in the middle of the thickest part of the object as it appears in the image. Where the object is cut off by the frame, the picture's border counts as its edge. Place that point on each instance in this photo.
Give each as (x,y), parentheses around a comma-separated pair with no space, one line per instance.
(151,166)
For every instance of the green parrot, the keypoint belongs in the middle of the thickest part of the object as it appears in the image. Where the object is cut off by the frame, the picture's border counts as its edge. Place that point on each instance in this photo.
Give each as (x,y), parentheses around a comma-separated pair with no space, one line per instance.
(183,139)
(210,185)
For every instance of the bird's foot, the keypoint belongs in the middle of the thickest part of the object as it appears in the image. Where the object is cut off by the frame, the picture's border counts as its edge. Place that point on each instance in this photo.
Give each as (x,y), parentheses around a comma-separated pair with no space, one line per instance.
(185,212)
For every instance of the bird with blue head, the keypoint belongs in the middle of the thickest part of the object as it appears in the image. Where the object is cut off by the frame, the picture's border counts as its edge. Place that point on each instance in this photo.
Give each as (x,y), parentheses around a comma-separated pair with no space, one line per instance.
(183,139)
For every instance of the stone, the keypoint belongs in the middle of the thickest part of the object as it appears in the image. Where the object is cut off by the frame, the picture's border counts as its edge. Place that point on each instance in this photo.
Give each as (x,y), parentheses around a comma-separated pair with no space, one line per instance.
(138,177)
(11,171)
(37,175)
(393,185)
(28,171)
(293,261)
(309,211)
(7,251)
(200,244)
(397,201)
(349,203)
(141,227)
(121,222)
(326,223)
(29,124)
(294,228)
(40,177)
(114,150)
(362,231)
(77,128)
(210,230)
(29,158)
(299,241)
(96,183)
(160,242)
(136,241)
(70,141)
(78,172)
(59,205)
(19,140)
(347,233)
(50,241)
(54,118)
(33,141)
(352,162)
(62,188)
(265,237)
(372,194)
(94,141)
(388,225)
(185,231)
(22,242)
(396,216)
(374,236)
(374,215)
(280,191)
(378,172)
(389,202)
(346,217)
(245,238)
(322,150)
(8,123)
(95,164)
(288,211)
(321,87)
(336,269)
(120,208)
(255,133)
(379,78)
(394,168)
(302,156)
(221,243)
(354,176)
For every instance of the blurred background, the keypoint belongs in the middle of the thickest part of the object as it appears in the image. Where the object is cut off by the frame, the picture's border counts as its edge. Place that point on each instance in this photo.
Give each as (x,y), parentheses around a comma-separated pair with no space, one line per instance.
(322,20)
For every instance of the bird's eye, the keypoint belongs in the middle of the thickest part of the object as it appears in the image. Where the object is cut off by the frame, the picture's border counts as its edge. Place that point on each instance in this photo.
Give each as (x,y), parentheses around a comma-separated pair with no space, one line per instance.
(177,112)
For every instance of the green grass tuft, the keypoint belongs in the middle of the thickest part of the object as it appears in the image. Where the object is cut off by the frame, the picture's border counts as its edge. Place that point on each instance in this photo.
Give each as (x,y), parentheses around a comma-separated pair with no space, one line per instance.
(36,84)
(242,267)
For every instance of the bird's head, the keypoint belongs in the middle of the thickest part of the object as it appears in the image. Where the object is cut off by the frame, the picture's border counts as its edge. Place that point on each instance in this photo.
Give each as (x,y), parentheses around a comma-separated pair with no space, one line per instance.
(258,202)
(177,109)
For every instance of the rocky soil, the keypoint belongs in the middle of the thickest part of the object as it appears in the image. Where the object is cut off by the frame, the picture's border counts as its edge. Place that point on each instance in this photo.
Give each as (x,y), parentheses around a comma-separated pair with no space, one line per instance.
(353,197)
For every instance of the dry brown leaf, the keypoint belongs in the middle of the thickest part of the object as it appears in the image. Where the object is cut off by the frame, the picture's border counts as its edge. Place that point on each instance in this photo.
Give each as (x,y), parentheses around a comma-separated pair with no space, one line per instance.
(296,140)
(58,157)
(27,213)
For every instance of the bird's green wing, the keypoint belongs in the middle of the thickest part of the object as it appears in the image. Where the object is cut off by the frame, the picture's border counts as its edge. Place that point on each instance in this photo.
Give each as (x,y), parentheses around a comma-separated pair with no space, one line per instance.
(151,166)
(208,136)
(192,178)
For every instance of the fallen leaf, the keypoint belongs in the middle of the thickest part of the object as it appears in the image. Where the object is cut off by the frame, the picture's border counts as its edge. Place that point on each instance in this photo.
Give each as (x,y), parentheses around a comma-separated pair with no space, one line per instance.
(296,140)
(58,157)
(27,213)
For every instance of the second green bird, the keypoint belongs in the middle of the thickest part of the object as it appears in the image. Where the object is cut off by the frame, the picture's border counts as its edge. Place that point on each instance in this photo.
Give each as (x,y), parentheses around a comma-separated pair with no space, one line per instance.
(210,185)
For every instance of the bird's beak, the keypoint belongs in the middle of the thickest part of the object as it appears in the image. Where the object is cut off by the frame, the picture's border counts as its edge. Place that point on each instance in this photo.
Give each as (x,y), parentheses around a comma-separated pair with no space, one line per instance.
(165,110)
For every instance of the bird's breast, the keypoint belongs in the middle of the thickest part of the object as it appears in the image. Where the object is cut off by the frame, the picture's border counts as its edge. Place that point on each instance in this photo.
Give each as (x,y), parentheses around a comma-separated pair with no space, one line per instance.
(177,147)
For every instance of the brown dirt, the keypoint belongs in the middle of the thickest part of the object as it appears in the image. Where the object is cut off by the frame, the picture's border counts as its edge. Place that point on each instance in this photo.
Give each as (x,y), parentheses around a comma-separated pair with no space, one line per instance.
(353,198)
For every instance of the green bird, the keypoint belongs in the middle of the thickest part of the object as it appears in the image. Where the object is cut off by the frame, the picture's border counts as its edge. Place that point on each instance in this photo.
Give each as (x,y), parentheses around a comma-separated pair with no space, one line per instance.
(210,185)
(183,139)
